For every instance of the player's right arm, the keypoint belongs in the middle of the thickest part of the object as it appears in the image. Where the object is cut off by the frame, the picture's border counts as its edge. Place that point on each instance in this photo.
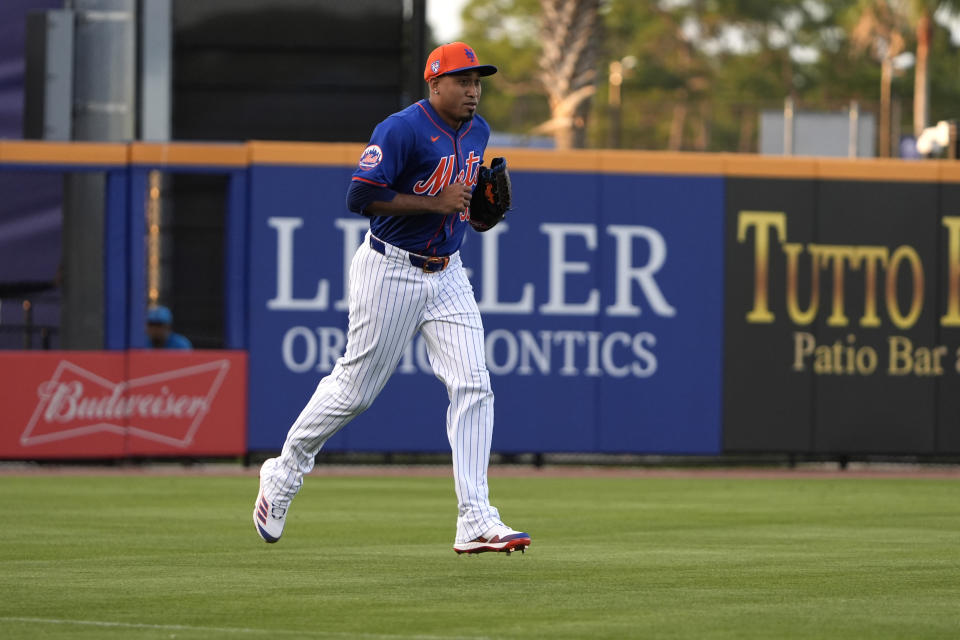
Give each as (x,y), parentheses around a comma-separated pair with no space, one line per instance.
(384,159)
(374,200)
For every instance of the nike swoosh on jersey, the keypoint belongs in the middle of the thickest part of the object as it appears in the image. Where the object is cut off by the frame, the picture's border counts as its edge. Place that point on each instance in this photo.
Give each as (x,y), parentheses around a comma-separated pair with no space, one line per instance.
(434,138)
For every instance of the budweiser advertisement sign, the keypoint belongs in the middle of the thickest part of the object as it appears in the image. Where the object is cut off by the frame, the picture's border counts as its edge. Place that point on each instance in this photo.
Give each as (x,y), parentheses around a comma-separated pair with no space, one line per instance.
(72,404)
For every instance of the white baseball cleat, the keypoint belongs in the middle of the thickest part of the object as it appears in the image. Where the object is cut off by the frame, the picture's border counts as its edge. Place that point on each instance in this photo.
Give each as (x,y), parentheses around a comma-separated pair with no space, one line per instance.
(499,538)
(268,517)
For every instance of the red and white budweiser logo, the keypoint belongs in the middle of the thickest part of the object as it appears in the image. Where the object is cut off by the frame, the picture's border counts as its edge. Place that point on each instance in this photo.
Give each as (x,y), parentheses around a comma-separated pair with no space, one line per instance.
(166,407)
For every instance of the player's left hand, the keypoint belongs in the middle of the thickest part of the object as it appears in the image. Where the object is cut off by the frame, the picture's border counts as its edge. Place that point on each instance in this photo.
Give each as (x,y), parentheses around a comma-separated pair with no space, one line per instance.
(492,198)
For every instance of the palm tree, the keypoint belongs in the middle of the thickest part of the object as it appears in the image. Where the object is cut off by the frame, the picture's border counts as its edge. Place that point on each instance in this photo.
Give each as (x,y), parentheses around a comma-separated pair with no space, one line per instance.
(920,14)
(882,30)
(568,36)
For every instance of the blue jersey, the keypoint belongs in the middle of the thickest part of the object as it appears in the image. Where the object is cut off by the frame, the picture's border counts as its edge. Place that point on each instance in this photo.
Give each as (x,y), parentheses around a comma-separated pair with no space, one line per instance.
(174,341)
(414,151)
(177,341)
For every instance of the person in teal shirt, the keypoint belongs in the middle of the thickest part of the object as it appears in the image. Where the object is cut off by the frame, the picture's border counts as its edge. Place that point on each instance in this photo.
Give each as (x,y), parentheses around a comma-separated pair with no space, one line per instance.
(160,330)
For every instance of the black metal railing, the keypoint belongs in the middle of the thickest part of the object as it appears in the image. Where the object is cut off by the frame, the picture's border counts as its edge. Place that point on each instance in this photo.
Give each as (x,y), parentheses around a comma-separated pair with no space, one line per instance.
(25,332)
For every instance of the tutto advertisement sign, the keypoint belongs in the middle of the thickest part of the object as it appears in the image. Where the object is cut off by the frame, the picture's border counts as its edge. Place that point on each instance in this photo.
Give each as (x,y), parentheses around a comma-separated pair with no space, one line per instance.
(119,404)
(842,316)
(601,296)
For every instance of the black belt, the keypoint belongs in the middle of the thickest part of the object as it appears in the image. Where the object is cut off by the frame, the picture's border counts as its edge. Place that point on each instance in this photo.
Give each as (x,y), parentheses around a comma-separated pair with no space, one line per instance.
(430,264)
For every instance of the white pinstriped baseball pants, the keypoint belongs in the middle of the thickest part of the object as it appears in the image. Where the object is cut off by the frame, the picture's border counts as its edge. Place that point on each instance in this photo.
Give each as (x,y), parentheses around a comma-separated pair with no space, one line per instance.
(390,301)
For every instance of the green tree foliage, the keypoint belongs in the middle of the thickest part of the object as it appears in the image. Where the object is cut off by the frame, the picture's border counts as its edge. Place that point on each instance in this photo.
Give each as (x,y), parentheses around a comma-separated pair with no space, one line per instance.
(944,74)
(704,69)
(505,33)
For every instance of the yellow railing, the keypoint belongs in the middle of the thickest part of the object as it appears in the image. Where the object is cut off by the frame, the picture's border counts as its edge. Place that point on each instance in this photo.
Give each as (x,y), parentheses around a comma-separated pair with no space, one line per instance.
(240,154)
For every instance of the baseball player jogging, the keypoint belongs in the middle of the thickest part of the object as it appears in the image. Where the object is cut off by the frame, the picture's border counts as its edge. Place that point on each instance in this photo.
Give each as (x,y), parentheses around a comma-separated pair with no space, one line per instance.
(421,183)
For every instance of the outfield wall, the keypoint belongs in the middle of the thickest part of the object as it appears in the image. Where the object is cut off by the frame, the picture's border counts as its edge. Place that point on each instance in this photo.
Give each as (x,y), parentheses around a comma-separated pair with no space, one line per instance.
(634,302)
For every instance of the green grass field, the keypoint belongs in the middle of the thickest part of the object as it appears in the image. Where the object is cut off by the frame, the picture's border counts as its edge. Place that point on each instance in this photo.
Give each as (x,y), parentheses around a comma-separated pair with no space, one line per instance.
(137,556)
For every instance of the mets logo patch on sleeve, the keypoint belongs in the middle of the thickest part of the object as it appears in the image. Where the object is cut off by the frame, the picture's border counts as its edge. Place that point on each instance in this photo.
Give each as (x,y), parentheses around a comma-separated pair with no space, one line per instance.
(371,157)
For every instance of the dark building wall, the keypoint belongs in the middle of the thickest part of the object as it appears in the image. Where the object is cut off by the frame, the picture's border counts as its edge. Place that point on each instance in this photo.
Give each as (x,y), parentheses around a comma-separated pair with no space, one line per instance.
(319,70)
(29,201)
(301,70)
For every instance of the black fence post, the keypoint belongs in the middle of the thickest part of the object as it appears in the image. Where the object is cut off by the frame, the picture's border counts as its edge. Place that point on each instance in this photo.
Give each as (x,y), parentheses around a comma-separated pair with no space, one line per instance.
(27,325)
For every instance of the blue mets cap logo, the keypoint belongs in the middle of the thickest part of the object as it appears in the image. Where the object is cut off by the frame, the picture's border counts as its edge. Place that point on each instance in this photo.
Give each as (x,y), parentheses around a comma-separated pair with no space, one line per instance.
(371,157)
(470,54)
(435,66)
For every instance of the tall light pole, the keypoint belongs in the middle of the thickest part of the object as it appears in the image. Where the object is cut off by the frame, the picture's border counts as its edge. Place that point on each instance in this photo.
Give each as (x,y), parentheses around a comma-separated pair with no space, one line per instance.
(618,69)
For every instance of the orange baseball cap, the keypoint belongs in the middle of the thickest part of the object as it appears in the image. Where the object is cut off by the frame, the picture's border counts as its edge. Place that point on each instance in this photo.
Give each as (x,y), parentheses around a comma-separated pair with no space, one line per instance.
(454,57)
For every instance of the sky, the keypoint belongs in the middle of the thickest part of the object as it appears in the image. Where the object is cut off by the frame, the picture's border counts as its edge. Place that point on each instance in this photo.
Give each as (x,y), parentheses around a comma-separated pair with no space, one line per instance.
(444,18)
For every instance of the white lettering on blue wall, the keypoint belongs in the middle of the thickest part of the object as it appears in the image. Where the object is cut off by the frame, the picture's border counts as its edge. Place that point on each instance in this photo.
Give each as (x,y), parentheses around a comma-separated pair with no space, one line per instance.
(568,353)
(560,270)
